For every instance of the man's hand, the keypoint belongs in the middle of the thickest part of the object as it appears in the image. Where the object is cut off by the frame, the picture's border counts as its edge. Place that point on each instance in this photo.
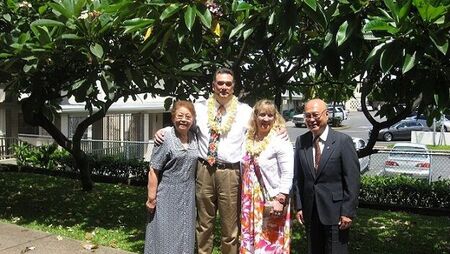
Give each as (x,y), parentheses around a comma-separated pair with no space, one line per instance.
(345,222)
(159,137)
(283,134)
(299,216)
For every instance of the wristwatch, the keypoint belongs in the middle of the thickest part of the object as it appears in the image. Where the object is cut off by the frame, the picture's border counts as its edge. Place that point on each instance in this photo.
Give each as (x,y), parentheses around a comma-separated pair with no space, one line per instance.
(281,198)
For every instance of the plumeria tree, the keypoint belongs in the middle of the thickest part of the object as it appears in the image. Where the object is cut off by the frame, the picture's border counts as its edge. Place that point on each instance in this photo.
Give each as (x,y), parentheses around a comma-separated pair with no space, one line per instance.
(97,52)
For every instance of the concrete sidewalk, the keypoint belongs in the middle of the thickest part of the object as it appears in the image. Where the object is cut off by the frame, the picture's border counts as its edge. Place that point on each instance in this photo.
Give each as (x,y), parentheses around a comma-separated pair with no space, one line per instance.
(17,240)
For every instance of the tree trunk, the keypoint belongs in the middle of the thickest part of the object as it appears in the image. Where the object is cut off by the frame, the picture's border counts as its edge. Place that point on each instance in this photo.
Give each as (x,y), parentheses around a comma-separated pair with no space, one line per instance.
(82,163)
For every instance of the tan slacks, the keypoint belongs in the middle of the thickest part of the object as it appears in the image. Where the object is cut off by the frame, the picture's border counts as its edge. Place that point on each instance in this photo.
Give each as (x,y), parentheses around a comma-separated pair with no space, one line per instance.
(217,189)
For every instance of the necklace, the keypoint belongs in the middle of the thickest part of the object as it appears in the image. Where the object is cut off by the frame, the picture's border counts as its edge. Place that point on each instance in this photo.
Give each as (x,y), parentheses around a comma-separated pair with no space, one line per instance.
(253,147)
(226,124)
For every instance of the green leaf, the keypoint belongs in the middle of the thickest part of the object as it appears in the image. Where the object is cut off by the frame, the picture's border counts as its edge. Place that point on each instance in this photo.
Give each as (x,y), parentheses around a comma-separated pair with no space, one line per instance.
(169,11)
(61,9)
(189,16)
(205,18)
(79,4)
(236,30)
(409,62)
(243,6)
(78,84)
(342,34)
(404,10)
(70,37)
(42,9)
(136,24)
(247,33)
(191,66)
(5,55)
(379,25)
(271,18)
(374,53)
(440,42)
(312,4)
(97,50)
(168,103)
(427,11)
(393,8)
(388,57)
(26,68)
(234,5)
(46,22)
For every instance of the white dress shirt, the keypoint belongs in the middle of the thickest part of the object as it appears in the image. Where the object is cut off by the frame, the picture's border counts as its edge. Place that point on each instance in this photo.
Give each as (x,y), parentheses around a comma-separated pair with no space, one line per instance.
(322,140)
(277,166)
(230,143)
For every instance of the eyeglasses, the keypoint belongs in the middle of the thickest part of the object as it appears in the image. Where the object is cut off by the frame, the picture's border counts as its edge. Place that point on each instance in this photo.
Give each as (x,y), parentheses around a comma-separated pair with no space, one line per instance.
(221,83)
(314,115)
(185,117)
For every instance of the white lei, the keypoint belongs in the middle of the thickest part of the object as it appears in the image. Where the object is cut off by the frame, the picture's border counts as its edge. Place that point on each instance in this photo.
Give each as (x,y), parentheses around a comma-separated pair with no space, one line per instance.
(225,125)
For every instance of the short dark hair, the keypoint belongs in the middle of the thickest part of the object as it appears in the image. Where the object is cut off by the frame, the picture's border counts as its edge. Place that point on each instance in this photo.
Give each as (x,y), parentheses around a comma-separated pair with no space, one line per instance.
(223,70)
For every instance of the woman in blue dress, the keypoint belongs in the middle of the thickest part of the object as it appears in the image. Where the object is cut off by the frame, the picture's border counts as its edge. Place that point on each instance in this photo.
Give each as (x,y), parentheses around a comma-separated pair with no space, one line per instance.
(171,187)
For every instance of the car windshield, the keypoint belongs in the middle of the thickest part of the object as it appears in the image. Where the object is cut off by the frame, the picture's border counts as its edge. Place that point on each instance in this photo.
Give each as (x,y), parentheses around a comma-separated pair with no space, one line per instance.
(409,152)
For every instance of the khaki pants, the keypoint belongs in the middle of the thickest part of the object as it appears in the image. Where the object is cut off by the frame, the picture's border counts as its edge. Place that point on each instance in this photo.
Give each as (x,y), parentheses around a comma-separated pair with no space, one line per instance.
(217,189)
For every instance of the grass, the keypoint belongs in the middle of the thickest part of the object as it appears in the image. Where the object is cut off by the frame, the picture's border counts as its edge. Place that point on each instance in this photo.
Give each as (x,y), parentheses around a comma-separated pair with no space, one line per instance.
(114,215)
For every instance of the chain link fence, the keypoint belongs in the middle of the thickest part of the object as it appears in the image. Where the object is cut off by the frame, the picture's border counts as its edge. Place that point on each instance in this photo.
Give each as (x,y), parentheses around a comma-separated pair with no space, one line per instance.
(430,165)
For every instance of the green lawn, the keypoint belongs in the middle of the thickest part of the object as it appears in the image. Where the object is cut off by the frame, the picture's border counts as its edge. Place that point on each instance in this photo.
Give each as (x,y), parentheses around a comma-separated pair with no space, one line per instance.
(114,215)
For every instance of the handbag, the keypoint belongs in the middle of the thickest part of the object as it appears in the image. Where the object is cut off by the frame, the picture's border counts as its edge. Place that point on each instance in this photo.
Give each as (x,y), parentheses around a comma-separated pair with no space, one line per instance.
(268,201)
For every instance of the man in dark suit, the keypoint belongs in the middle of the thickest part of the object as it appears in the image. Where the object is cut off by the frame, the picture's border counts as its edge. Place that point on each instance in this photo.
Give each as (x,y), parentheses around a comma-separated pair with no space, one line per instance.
(326,182)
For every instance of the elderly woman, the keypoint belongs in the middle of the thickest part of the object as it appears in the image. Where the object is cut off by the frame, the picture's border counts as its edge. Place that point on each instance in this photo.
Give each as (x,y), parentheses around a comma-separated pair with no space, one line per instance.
(171,187)
(267,172)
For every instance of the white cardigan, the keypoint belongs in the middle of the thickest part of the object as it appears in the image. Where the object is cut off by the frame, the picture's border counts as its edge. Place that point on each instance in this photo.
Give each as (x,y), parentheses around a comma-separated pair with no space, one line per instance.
(277,166)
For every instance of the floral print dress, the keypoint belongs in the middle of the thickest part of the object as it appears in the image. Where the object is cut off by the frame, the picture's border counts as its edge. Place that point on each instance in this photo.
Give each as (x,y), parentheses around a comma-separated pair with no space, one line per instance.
(260,234)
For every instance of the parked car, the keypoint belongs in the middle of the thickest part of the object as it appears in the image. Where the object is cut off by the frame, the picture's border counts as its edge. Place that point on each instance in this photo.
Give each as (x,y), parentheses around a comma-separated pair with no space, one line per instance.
(299,120)
(365,161)
(338,112)
(369,108)
(289,113)
(409,159)
(401,130)
(444,123)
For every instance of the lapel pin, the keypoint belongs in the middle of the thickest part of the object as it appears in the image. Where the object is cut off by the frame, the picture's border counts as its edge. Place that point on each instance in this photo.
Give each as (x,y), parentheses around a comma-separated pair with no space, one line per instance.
(328,148)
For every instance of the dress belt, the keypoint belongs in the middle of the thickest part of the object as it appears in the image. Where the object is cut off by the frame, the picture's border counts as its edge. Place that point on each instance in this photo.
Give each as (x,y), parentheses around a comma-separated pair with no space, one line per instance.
(220,165)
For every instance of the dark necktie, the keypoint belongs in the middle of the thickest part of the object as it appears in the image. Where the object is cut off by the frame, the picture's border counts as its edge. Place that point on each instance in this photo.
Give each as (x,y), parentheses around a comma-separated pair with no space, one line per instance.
(317,153)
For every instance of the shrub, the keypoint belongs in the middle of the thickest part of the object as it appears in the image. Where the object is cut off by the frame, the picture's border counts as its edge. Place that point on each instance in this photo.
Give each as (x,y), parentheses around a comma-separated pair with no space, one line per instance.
(45,156)
(405,191)
(112,166)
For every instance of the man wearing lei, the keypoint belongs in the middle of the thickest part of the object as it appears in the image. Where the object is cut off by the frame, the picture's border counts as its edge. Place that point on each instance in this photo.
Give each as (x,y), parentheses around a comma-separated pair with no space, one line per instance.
(222,122)
(218,172)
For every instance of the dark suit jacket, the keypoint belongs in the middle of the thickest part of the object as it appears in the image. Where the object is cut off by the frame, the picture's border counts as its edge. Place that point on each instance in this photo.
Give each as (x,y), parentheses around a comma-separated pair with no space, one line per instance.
(335,186)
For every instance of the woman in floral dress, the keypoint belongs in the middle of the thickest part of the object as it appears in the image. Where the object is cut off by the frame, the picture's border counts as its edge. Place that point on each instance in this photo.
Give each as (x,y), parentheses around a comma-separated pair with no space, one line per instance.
(267,172)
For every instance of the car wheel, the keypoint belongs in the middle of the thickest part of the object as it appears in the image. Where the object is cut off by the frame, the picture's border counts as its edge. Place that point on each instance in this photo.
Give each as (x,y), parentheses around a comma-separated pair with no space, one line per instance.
(387,136)
(445,128)
(298,125)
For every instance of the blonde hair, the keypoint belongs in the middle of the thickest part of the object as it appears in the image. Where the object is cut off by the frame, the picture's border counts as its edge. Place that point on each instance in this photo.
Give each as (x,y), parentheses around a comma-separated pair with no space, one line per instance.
(266,105)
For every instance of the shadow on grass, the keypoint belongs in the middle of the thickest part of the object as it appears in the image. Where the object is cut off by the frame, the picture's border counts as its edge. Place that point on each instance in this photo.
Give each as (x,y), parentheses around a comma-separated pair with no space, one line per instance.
(61,204)
(116,214)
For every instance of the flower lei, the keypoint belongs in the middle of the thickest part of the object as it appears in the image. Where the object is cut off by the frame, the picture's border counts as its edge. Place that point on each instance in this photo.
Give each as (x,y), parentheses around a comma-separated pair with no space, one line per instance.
(226,124)
(253,148)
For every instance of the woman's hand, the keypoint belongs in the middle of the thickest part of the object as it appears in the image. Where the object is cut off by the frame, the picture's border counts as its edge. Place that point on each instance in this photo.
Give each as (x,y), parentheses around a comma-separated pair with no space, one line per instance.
(278,204)
(150,204)
(277,208)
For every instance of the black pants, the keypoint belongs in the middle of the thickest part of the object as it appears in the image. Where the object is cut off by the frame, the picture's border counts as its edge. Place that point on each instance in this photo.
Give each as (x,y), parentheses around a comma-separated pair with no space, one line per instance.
(325,239)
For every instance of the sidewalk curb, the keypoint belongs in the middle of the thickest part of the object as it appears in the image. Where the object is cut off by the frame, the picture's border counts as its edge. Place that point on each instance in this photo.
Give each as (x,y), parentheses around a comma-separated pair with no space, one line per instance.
(17,239)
